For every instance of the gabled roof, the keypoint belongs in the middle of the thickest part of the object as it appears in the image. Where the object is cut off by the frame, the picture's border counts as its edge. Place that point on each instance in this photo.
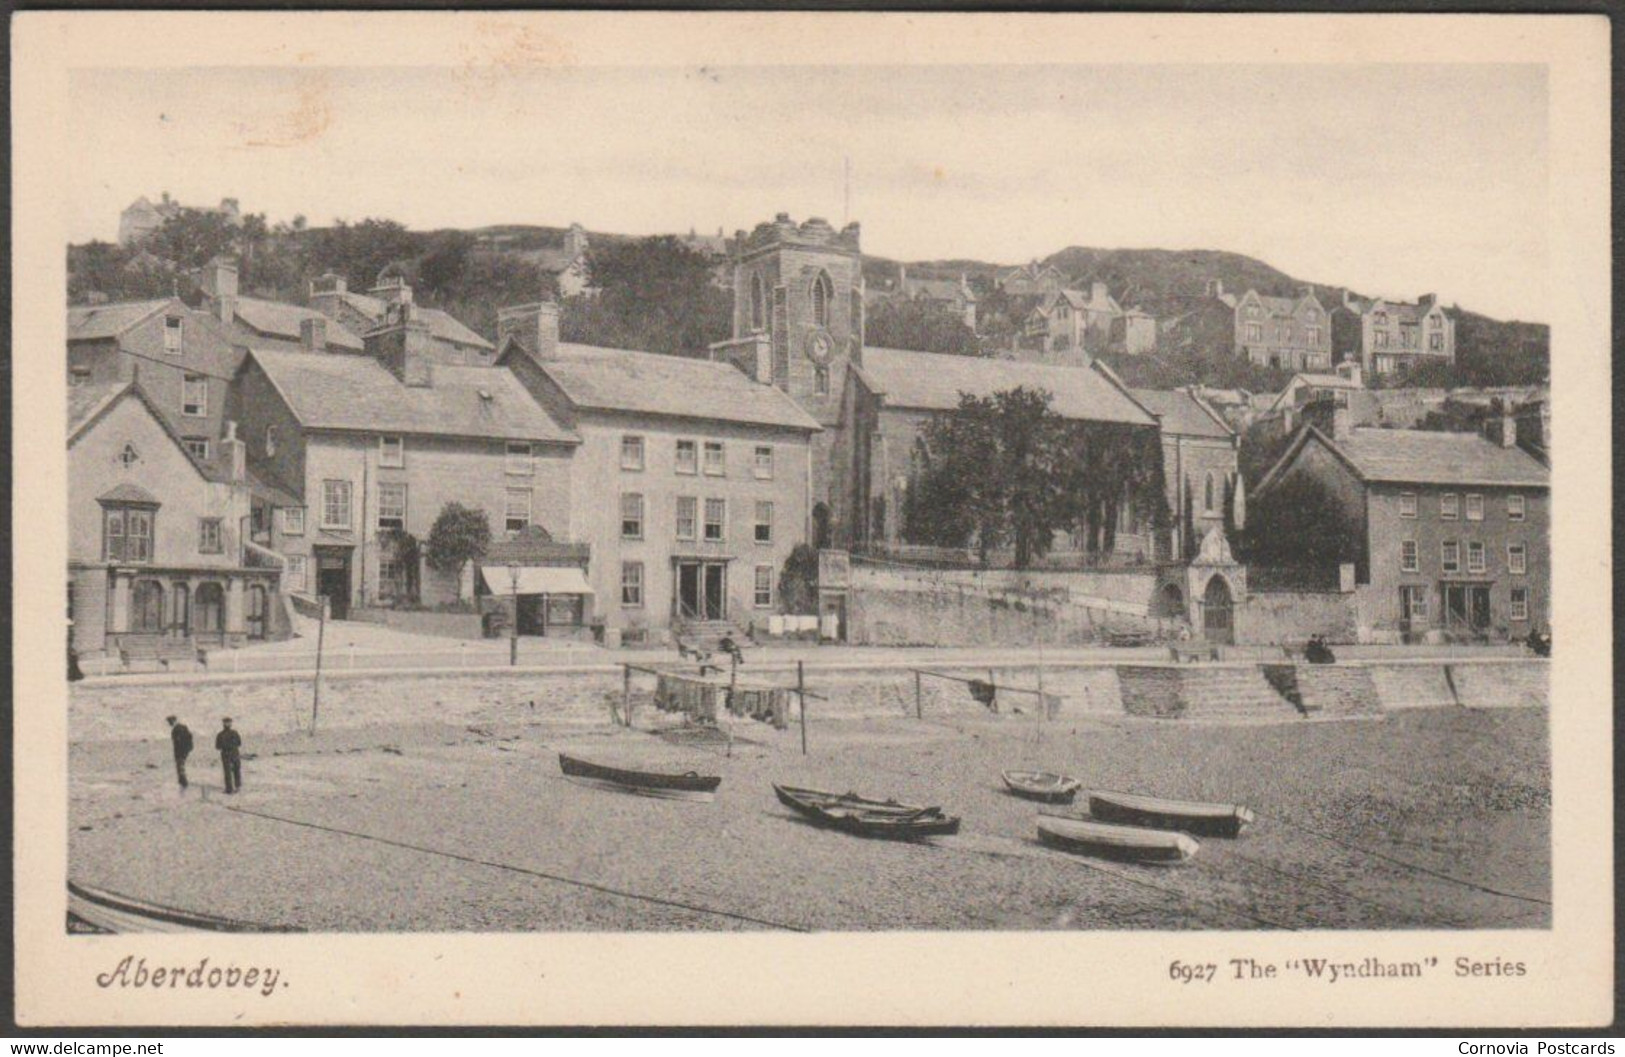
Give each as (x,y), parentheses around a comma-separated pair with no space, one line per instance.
(1318,381)
(87,405)
(442,325)
(938,289)
(930,381)
(97,322)
(1183,414)
(1412,456)
(600,379)
(358,393)
(280,320)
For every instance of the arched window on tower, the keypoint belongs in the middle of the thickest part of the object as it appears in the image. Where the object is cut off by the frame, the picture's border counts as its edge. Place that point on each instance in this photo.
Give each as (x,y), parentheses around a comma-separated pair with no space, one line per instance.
(758,304)
(823,292)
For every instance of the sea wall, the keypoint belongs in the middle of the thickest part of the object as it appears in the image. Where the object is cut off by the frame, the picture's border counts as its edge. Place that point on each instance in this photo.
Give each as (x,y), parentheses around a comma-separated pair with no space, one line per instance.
(120,708)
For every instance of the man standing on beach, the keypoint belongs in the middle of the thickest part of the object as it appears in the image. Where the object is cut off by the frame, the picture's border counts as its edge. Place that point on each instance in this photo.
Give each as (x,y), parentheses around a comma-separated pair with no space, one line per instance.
(230,744)
(180,737)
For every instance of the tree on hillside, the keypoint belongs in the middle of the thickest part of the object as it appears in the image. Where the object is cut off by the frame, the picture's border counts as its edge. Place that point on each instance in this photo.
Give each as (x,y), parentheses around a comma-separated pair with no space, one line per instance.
(923,326)
(192,238)
(654,294)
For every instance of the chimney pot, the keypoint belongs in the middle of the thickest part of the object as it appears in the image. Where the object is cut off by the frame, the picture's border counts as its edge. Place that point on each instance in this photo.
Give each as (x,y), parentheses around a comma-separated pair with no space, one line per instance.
(313,334)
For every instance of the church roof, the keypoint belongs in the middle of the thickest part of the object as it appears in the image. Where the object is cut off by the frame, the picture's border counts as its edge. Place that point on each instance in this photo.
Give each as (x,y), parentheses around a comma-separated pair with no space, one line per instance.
(930,381)
(1181,413)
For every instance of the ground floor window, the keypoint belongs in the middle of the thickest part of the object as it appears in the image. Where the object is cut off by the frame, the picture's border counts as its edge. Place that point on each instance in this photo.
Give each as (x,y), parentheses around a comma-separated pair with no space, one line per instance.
(147,607)
(296,572)
(257,611)
(632,584)
(1519,608)
(1467,606)
(1413,606)
(391,580)
(566,611)
(764,586)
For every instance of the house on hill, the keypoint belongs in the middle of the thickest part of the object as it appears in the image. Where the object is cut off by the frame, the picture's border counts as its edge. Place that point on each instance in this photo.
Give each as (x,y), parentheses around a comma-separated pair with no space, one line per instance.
(1452,529)
(143,216)
(1289,332)
(1031,280)
(567,264)
(1384,336)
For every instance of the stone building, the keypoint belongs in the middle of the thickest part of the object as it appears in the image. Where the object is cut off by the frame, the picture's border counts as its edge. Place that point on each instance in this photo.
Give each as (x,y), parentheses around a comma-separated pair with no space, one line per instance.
(184,358)
(1199,464)
(1383,336)
(1076,322)
(375,445)
(954,295)
(156,547)
(1134,332)
(692,480)
(1289,332)
(1453,528)
(893,394)
(143,216)
(451,342)
(260,324)
(1031,280)
(567,264)
(798,325)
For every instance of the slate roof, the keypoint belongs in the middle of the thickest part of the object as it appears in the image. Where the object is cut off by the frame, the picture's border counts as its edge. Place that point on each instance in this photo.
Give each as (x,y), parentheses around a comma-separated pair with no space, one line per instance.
(1412,456)
(279,320)
(1079,299)
(442,325)
(601,379)
(930,381)
(267,488)
(95,322)
(1181,413)
(86,404)
(358,393)
(938,289)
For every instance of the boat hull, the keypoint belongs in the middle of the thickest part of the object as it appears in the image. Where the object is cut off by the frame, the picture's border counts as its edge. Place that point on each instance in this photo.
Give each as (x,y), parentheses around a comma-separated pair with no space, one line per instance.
(1185,816)
(863,817)
(95,910)
(690,786)
(1042,786)
(1121,843)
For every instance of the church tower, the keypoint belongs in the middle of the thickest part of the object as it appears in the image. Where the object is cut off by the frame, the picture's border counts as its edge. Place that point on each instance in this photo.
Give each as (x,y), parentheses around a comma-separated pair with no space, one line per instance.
(798,324)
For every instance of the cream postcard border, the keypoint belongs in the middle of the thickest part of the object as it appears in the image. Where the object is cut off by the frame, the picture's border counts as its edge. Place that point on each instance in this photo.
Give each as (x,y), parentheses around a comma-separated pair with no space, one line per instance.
(1089,978)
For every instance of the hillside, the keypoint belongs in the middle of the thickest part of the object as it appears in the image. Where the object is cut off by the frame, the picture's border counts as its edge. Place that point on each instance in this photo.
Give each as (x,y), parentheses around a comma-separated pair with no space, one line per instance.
(474,272)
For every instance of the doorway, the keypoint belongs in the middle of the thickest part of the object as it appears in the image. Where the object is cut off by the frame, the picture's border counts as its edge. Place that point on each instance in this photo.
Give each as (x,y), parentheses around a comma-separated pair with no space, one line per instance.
(702,590)
(1467,606)
(254,617)
(211,611)
(1217,613)
(333,580)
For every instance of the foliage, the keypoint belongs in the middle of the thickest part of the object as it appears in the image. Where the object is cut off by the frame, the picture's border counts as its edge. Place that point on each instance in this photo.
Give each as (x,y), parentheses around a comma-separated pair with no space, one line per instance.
(403,547)
(1262,445)
(460,535)
(1007,469)
(1299,522)
(921,325)
(798,581)
(654,294)
(1170,369)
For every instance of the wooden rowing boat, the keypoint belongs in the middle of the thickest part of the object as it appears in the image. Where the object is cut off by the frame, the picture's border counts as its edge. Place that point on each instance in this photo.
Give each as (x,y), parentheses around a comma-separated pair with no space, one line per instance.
(1187,816)
(1042,785)
(690,785)
(1127,843)
(97,910)
(865,817)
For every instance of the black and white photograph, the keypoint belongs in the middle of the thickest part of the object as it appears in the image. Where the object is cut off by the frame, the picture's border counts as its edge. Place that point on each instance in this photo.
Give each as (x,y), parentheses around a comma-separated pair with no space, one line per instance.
(519,492)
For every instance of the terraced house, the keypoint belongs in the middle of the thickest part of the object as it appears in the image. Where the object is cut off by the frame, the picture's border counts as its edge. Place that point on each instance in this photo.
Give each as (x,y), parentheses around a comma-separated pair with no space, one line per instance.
(372,447)
(692,481)
(1454,528)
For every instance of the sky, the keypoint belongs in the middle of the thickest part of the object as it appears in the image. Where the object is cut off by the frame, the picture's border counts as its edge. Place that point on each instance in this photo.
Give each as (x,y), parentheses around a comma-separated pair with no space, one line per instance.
(1393,180)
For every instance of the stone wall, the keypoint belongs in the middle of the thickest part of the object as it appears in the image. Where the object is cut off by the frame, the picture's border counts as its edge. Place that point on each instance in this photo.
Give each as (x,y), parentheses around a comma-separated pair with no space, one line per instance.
(1270,617)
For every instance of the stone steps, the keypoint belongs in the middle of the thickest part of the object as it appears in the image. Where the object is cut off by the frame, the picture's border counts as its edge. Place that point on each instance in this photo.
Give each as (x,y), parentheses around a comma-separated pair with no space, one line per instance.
(1232,693)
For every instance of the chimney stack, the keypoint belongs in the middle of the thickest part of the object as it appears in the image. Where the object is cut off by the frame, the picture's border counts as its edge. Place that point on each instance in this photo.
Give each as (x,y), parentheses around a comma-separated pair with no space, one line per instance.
(1097,293)
(1502,429)
(1426,301)
(402,345)
(326,293)
(234,454)
(394,290)
(1215,288)
(1350,369)
(219,281)
(534,327)
(313,333)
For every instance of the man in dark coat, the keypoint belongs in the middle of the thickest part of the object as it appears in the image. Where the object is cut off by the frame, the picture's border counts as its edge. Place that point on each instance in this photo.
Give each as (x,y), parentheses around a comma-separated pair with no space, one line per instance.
(230,744)
(180,738)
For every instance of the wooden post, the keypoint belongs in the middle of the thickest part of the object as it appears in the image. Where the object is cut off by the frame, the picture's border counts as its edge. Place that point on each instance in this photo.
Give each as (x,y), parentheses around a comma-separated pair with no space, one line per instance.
(626,694)
(801,695)
(919,708)
(316,690)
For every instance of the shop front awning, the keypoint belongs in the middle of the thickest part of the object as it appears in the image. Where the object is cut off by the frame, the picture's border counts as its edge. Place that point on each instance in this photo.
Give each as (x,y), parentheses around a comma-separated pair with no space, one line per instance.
(536,580)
